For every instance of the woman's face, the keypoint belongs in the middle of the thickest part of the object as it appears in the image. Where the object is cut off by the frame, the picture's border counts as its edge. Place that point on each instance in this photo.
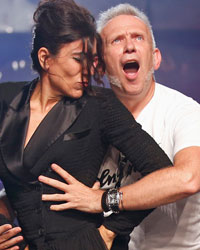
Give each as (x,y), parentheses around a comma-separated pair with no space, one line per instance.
(65,70)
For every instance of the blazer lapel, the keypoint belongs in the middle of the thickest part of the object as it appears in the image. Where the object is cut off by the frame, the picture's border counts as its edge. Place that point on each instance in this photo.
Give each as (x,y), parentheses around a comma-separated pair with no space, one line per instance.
(20,162)
(58,120)
(13,130)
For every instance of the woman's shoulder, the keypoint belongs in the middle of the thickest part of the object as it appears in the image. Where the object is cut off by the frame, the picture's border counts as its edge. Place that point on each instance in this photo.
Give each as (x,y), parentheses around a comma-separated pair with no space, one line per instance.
(109,105)
(8,90)
(102,95)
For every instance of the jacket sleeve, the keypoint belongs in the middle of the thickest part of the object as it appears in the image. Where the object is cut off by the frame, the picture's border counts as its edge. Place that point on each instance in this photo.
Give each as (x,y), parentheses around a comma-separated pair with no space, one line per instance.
(122,131)
(124,222)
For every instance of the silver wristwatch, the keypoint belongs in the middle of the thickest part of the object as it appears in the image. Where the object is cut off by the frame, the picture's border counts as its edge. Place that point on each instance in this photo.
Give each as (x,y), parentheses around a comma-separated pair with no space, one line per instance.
(113,199)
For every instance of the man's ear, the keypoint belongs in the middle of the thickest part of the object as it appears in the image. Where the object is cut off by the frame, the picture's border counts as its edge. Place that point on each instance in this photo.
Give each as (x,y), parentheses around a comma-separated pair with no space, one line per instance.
(43,57)
(157,58)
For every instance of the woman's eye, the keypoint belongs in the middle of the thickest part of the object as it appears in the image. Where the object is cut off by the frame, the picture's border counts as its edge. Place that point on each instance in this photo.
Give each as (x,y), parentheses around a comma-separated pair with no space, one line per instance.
(78,59)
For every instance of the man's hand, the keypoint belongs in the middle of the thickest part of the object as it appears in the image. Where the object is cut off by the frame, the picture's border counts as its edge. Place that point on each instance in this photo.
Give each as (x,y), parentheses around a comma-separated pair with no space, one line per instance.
(7,239)
(76,195)
(107,235)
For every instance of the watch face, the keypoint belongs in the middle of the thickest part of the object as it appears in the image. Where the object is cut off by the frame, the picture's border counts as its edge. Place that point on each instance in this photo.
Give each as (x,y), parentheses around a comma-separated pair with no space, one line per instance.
(113,198)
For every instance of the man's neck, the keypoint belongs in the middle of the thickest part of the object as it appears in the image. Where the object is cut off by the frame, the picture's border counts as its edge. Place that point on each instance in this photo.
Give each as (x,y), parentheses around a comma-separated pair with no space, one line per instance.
(136,103)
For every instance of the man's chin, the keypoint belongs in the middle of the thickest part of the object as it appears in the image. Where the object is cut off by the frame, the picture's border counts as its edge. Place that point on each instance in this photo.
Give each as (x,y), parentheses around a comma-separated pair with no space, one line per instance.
(132,91)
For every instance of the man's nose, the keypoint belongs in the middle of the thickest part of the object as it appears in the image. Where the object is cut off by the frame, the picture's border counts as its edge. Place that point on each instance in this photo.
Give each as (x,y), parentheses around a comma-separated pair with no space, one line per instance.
(129,45)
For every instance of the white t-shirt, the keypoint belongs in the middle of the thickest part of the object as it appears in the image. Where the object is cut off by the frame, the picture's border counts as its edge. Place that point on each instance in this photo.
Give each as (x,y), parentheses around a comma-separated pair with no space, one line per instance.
(173,120)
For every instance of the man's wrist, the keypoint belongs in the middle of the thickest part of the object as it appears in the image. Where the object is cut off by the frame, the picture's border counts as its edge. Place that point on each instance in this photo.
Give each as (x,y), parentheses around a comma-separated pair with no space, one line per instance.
(112,200)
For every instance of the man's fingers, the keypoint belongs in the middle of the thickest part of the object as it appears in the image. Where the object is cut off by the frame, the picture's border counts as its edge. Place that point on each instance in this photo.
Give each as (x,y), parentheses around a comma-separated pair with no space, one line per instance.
(96,185)
(54,197)
(54,183)
(62,207)
(69,179)
(64,174)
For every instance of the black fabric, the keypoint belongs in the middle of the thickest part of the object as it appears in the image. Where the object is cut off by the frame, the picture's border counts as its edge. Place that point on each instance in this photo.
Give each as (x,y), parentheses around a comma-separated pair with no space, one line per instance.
(3,220)
(121,242)
(124,222)
(98,121)
(87,238)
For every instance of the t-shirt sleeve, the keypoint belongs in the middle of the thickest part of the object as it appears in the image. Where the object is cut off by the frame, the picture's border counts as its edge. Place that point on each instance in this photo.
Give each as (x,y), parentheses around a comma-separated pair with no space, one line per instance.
(186,127)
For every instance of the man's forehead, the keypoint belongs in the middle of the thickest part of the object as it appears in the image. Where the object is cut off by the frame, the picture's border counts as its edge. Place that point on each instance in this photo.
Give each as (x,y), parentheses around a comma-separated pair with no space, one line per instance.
(121,24)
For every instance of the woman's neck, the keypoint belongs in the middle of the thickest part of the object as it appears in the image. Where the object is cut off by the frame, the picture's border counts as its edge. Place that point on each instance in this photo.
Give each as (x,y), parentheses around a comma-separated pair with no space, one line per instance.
(43,99)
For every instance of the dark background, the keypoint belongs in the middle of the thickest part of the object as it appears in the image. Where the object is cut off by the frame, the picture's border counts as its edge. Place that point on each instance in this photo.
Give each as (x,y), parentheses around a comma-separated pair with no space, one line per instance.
(176,25)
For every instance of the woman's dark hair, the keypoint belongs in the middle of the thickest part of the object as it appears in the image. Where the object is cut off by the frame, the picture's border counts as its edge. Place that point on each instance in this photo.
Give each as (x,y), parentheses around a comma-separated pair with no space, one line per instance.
(58,22)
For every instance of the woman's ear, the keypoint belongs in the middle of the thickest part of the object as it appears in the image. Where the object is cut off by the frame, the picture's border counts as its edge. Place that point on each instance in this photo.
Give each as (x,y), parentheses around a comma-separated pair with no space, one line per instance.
(43,57)
(157,58)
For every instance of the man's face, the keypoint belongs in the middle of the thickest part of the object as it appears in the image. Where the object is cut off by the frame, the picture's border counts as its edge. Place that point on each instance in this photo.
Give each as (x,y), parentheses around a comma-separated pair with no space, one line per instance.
(129,55)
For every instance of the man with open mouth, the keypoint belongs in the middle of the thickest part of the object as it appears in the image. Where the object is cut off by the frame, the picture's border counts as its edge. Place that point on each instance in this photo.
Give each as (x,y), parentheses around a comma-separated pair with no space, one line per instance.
(171,118)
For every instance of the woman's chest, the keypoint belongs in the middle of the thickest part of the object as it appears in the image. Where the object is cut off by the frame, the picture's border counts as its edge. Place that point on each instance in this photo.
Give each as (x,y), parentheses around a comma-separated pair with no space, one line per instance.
(80,152)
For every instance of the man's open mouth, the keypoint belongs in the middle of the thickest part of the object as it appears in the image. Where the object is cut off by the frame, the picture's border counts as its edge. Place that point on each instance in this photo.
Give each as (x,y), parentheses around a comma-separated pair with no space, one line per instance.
(131,67)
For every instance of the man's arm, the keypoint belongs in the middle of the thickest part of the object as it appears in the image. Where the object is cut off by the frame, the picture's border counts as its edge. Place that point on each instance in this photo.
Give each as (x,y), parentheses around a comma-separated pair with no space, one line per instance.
(158,188)
(166,185)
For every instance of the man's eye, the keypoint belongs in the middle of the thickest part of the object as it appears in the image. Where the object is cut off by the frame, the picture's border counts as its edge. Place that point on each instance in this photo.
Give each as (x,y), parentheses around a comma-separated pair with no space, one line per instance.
(117,40)
(139,38)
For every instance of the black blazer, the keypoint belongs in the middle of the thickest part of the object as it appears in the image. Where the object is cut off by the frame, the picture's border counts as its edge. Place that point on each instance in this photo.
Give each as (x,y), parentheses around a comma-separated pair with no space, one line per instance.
(75,134)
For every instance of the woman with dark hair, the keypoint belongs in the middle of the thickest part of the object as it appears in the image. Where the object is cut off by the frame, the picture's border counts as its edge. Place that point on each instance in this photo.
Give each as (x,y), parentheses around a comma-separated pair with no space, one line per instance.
(58,118)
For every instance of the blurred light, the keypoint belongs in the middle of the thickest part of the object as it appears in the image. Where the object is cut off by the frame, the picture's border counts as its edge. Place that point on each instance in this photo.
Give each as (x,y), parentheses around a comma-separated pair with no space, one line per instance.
(15,65)
(22,64)
(1,74)
(9,29)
